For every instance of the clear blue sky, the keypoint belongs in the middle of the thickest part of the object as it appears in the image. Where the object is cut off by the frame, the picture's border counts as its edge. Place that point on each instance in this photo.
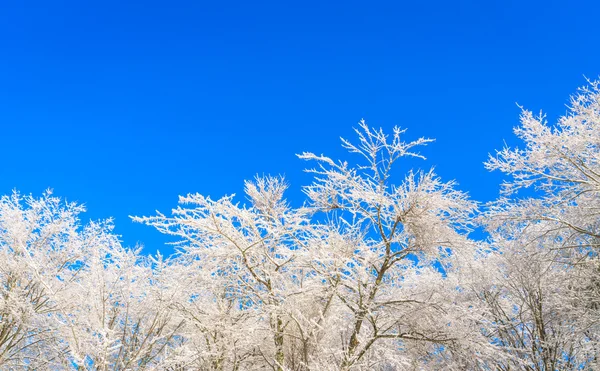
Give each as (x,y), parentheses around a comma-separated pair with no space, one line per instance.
(125,105)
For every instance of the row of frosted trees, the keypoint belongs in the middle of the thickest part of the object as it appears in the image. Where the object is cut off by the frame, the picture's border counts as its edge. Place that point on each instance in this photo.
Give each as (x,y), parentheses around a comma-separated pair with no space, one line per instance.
(376,272)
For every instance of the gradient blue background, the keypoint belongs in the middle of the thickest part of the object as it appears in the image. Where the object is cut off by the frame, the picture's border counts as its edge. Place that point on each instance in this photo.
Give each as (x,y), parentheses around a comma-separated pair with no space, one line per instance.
(125,105)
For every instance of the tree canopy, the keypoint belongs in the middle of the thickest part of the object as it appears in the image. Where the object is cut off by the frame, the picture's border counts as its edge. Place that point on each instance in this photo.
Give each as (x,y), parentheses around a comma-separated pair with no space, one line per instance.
(376,271)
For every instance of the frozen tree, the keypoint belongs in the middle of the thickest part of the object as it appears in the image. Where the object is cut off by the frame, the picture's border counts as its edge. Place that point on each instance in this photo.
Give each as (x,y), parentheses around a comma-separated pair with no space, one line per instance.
(41,250)
(72,296)
(371,273)
(399,238)
(543,302)
(562,162)
(119,314)
(242,266)
(374,272)
(532,305)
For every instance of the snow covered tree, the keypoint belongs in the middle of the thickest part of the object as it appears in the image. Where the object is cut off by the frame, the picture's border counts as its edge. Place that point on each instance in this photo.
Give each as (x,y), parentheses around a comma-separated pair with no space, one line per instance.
(243,264)
(543,302)
(372,275)
(72,297)
(374,272)
(119,314)
(562,163)
(399,240)
(41,250)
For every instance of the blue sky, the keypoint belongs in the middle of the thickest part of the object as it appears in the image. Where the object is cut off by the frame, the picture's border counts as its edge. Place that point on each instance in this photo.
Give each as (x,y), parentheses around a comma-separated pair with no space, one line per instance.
(125,105)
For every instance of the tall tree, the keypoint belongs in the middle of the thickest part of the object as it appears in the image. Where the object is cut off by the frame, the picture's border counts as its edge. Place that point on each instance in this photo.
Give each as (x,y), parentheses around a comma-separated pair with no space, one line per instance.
(400,237)
(543,303)
(375,272)
(372,271)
